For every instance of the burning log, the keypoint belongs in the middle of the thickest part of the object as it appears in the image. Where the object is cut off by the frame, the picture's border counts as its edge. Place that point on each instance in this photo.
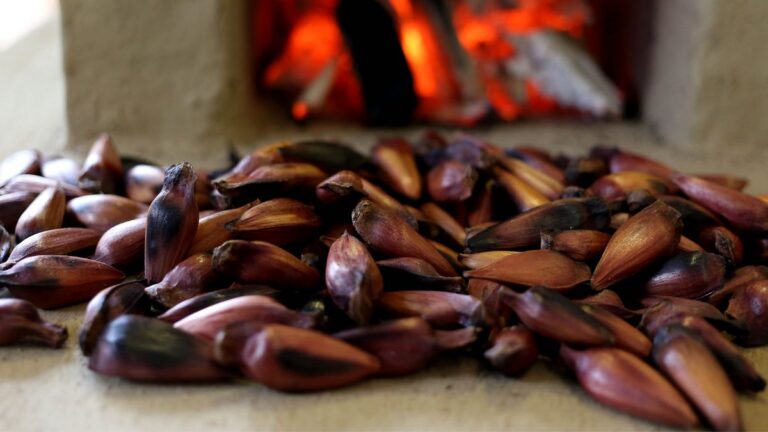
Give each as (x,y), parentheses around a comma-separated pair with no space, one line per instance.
(381,66)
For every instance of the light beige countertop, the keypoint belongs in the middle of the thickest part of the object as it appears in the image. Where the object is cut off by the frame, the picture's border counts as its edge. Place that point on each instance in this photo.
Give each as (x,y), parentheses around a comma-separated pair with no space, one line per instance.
(42,389)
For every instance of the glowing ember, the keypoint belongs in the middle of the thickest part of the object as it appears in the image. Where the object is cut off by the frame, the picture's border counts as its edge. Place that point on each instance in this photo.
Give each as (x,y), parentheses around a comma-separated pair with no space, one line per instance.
(300,111)
(431,73)
(314,41)
(316,68)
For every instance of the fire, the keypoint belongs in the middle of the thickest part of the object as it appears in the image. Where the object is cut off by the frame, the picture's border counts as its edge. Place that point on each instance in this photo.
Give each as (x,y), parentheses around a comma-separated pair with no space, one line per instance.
(486,36)
(432,76)
(314,41)
(479,30)
(481,38)
(300,111)
(316,67)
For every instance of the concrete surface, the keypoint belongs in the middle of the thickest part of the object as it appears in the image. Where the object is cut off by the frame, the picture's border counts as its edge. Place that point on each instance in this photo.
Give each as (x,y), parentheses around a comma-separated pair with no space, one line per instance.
(43,389)
(53,390)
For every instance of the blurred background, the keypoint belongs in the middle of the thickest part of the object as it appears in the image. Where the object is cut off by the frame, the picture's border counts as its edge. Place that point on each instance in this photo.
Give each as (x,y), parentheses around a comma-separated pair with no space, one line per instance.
(685,76)
(17,19)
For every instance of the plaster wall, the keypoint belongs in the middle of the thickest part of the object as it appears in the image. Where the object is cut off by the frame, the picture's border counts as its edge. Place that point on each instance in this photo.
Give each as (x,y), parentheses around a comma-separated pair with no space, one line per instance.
(156,73)
(731,90)
(159,75)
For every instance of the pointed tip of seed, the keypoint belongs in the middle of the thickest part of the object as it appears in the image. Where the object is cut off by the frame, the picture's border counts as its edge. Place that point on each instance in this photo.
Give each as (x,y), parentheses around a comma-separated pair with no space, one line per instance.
(179,173)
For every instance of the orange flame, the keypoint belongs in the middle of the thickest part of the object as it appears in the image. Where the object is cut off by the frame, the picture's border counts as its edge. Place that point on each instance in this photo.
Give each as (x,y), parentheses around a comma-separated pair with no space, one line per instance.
(300,111)
(432,76)
(315,42)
